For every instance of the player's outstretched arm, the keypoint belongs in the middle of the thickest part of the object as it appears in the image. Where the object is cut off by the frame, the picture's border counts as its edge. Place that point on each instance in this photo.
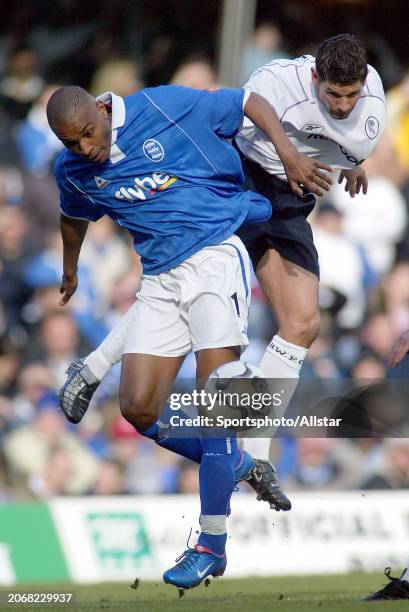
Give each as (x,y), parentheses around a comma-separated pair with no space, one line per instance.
(300,169)
(355,180)
(400,349)
(73,233)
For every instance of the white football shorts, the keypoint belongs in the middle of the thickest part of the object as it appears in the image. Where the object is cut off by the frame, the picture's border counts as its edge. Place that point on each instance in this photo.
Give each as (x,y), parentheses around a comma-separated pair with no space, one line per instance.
(202,303)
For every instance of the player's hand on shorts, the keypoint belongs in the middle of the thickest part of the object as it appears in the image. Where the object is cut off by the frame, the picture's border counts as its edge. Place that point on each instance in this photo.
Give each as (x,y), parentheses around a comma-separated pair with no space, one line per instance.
(302,170)
(355,180)
(68,287)
(400,348)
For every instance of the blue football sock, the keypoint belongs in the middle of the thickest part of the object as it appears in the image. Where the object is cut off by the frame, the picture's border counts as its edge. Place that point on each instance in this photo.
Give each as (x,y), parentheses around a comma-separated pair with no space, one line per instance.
(182,440)
(216,477)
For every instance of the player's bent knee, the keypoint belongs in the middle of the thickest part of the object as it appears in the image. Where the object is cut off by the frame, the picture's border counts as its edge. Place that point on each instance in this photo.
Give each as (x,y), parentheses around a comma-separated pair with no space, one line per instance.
(302,331)
(137,412)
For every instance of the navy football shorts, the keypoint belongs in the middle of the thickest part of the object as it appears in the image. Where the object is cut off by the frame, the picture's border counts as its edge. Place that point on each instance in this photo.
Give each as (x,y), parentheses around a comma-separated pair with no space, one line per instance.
(287,231)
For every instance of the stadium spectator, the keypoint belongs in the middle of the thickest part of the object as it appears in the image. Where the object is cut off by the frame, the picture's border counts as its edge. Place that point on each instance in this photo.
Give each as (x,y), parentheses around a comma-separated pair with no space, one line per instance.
(195,72)
(53,479)
(22,83)
(14,253)
(398,124)
(325,463)
(28,448)
(107,255)
(378,334)
(59,342)
(266,45)
(118,75)
(110,479)
(393,469)
(376,222)
(37,143)
(337,253)
(32,383)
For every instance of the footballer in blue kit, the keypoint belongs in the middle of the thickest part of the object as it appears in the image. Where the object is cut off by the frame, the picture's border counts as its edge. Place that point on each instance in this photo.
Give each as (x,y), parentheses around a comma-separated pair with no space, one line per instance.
(159,163)
(170,166)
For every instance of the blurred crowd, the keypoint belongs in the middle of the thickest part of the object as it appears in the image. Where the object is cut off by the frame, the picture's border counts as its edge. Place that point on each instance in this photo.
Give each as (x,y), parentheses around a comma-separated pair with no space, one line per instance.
(363,246)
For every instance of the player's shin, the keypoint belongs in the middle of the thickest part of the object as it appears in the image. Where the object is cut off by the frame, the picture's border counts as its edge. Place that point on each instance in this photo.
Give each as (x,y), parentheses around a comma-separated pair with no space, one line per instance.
(281,360)
(181,440)
(216,477)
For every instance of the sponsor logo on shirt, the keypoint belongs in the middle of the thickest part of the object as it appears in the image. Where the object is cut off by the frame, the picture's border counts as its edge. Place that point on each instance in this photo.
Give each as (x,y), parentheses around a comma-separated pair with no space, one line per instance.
(313,129)
(153,150)
(143,187)
(351,158)
(372,127)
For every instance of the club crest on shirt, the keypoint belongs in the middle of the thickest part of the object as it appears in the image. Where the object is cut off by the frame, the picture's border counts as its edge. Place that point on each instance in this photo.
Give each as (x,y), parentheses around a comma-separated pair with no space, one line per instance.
(153,150)
(372,127)
(311,128)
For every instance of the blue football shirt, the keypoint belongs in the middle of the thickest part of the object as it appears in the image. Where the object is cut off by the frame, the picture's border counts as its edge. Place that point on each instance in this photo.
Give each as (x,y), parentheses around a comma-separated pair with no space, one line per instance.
(172,179)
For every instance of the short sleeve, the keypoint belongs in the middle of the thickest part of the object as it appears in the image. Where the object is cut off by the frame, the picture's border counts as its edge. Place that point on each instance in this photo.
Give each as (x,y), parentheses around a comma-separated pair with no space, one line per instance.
(73,202)
(226,111)
(223,108)
(268,85)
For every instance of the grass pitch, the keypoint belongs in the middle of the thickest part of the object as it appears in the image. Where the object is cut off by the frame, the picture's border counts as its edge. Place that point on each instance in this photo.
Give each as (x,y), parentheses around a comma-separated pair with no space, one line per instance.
(328,593)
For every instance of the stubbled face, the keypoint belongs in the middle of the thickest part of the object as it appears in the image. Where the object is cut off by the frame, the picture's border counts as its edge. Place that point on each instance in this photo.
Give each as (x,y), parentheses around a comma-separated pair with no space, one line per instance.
(339,100)
(88,134)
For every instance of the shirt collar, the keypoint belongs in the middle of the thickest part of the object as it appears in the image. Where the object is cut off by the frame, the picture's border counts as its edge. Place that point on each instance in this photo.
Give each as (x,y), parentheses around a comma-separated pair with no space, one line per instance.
(118,114)
(118,108)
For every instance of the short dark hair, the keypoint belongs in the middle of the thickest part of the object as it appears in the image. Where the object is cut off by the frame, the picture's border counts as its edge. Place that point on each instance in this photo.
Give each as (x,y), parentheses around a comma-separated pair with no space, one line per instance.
(64,103)
(341,59)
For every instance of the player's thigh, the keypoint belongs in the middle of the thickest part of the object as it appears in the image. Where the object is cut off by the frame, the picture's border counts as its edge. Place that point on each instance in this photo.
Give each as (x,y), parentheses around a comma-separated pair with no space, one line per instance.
(218,312)
(292,291)
(209,360)
(156,343)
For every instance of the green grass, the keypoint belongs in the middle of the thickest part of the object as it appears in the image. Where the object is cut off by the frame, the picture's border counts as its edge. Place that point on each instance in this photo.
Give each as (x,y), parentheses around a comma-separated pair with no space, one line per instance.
(326,593)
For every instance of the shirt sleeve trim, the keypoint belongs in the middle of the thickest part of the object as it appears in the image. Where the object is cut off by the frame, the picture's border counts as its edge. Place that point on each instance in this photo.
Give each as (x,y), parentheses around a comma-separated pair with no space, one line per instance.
(76,187)
(72,216)
(246,96)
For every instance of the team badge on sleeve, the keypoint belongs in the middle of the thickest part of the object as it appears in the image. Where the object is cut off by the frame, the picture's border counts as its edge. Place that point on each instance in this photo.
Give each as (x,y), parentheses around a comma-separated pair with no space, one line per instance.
(372,127)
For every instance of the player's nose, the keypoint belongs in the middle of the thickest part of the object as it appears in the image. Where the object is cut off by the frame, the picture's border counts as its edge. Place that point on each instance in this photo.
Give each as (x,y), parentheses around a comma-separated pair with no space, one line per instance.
(85,148)
(344,106)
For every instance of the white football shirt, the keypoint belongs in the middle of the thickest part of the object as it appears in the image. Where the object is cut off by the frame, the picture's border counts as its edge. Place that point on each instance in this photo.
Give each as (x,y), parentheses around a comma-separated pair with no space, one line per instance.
(341,143)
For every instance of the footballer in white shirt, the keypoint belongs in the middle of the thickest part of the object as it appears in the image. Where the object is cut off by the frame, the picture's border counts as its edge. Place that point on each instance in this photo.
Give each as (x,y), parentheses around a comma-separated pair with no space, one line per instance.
(332,108)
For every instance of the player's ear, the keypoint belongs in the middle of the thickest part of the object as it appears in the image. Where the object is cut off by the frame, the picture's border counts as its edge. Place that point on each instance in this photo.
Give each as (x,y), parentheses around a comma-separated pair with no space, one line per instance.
(314,77)
(102,109)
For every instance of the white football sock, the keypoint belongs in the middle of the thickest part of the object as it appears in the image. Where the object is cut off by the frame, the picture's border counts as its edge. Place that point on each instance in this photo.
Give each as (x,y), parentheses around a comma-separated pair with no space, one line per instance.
(257,447)
(110,351)
(282,360)
(405,575)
